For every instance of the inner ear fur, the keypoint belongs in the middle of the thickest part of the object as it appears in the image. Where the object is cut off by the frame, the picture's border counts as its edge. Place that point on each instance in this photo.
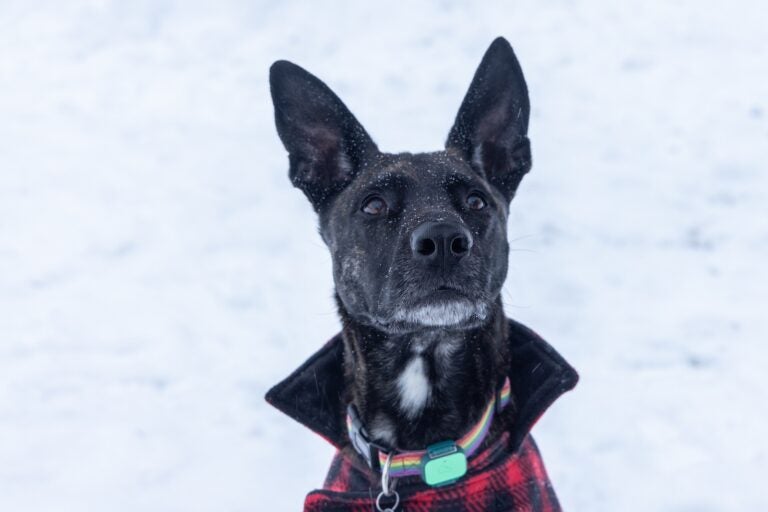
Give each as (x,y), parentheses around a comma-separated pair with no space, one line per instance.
(491,127)
(326,144)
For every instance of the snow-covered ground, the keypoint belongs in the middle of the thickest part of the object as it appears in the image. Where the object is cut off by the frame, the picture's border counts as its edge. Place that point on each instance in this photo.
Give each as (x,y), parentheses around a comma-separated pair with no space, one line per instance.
(158,273)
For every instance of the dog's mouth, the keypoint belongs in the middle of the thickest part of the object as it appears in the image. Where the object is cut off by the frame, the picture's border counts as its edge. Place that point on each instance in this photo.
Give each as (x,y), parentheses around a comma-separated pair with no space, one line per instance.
(443,306)
(445,293)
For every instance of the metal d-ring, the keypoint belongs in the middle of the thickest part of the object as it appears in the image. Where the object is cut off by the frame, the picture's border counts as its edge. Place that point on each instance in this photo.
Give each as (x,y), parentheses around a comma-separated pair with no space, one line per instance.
(393,508)
(385,490)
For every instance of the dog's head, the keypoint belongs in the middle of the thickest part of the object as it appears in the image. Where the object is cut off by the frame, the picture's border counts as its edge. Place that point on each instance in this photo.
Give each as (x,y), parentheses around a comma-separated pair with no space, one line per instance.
(417,240)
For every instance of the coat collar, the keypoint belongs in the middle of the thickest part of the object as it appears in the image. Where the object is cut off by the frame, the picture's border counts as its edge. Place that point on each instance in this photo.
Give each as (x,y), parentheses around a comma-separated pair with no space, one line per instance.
(313,394)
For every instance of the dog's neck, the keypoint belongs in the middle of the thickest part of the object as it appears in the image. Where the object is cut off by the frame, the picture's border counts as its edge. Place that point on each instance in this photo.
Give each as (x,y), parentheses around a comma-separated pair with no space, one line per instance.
(426,386)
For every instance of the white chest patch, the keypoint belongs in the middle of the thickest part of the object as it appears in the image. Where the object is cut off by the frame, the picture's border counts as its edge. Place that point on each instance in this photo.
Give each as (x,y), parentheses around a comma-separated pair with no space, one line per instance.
(414,387)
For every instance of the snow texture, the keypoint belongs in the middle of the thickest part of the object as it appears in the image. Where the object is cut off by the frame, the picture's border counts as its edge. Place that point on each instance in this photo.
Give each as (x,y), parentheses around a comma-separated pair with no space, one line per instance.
(159,272)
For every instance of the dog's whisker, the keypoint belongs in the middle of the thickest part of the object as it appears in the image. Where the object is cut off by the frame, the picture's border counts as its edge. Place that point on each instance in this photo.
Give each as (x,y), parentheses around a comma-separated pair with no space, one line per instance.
(524,237)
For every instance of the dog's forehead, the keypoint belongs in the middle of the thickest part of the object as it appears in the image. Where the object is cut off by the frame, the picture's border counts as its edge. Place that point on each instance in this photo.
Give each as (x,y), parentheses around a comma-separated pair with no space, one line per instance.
(407,170)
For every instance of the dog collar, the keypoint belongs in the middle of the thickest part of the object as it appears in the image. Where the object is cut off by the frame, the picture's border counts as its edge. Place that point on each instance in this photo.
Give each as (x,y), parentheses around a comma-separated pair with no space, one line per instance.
(439,464)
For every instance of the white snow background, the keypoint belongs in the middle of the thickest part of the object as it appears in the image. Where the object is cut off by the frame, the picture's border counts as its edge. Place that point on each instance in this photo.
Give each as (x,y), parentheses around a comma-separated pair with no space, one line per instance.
(158,273)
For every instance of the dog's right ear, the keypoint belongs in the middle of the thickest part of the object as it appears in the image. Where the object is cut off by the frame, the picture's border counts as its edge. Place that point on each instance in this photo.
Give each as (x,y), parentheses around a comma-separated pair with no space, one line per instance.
(326,144)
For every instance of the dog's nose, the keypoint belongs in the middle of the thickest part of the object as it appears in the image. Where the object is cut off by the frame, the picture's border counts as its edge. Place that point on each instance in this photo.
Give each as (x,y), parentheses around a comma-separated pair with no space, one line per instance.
(442,243)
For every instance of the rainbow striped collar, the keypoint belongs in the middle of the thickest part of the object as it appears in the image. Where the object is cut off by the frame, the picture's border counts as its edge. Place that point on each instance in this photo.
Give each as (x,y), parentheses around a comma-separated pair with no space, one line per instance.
(413,463)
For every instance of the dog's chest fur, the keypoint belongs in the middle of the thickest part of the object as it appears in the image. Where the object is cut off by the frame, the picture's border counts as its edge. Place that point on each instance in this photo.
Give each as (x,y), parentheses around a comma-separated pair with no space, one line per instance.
(429,365)
(427,370)
(419,388)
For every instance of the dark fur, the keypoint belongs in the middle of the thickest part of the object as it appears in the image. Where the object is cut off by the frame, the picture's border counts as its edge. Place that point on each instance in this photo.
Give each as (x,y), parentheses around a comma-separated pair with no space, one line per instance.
(379,281)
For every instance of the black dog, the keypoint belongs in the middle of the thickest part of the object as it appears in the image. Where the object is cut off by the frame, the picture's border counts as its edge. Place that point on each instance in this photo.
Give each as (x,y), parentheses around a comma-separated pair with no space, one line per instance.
(419,248)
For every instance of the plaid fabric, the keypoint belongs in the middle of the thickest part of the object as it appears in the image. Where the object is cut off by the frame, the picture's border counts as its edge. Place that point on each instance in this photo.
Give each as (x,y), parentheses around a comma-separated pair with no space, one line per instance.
(497,481)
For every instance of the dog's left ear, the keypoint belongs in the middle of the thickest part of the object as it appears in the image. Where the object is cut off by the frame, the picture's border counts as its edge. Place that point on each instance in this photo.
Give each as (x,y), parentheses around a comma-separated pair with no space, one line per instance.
(491,127)
(326,144)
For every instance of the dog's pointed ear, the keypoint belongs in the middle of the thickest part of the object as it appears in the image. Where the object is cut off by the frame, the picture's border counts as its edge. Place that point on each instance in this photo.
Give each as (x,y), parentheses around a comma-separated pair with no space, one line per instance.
(326,144)
(491,127)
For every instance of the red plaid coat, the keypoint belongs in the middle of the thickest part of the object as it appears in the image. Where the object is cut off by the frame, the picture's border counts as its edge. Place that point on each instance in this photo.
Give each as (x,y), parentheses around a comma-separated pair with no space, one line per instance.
(506,475)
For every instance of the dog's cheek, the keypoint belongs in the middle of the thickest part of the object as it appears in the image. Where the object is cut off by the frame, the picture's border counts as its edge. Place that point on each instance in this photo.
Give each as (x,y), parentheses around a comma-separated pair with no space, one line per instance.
(349,280)
(498,256)
(501,267)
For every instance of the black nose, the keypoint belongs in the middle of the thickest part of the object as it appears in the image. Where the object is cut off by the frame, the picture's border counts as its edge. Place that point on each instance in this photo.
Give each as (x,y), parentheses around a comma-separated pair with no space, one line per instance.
(442,243)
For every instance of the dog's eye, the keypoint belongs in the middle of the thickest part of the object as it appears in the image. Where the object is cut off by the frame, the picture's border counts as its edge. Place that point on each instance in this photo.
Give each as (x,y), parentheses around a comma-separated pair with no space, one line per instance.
(475,201)
(374,205)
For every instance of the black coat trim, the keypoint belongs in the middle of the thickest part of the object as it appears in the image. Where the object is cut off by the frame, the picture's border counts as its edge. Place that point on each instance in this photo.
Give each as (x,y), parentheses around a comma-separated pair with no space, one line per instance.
(313,393)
